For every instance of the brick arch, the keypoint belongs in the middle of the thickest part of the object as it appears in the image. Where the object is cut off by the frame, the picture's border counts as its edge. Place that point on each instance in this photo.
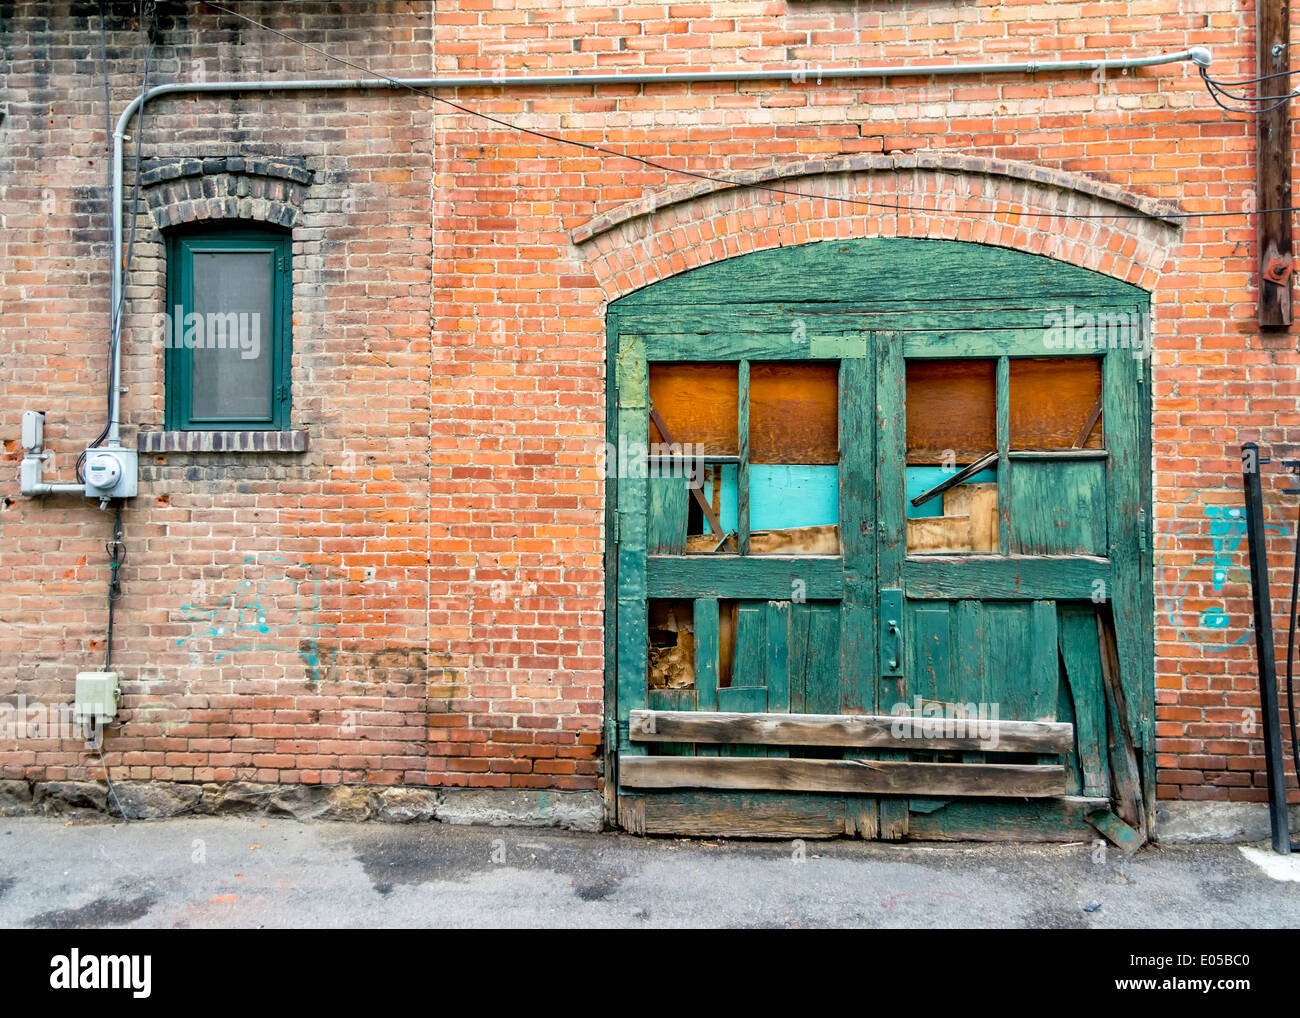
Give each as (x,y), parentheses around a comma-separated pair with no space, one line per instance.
(191,190)
(1022,206)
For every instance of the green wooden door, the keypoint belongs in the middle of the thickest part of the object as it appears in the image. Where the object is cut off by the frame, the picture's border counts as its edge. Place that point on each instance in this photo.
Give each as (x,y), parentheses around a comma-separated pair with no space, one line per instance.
(1020,595)
(771,630)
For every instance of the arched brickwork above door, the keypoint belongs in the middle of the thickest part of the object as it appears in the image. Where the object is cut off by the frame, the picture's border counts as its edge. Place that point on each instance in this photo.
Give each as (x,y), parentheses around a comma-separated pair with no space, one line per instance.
(1066,216)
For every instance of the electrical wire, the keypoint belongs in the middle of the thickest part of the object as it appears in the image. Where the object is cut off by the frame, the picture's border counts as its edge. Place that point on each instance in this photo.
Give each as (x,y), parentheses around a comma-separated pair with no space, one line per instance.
(894,206)
(115,313)
(116,559)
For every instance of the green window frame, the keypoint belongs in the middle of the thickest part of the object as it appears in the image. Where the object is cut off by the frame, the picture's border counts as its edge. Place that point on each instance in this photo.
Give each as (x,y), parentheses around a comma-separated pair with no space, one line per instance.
(179,367)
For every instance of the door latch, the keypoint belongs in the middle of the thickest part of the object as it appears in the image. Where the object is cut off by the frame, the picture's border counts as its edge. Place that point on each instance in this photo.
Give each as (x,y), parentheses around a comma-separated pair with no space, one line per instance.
(890,632)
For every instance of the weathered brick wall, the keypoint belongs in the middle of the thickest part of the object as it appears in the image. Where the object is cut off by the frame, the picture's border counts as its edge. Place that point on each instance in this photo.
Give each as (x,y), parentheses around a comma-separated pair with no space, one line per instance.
(434,559)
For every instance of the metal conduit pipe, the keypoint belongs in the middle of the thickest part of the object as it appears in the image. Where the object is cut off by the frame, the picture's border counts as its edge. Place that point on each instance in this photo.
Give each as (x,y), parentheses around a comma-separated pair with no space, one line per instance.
(1198,55)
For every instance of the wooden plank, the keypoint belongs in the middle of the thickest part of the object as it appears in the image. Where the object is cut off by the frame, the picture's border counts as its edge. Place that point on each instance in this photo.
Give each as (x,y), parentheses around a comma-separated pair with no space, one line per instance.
(1080,653)
(873,777)
(877,731)
(1055,820)
(633,621)
(794,413)
(777,625)
(1273,164)
(1016,578)
(1058,507)
(853,667)
(897,271)
(706,653)
(950,411)
(789,495)
(698,403)
(1051,399)
(1003,447)
(742,699)
(1126,783)
(927,645)
(1128,525)
(824,540)
(666,515)
(1044,684)
(742,484)
(771,577)
(890,688)
(735,814)
(823,691)
(1065,715)
(1118,833)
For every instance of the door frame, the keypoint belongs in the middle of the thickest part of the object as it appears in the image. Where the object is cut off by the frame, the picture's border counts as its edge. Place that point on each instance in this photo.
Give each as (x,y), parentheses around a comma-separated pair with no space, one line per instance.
(861,320)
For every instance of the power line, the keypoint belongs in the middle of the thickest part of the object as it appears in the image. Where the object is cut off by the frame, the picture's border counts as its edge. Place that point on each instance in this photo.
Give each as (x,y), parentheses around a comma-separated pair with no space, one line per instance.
(895,206)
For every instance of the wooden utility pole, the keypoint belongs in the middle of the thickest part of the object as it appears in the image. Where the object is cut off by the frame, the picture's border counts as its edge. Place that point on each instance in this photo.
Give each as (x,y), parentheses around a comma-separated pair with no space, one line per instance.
(1273,164)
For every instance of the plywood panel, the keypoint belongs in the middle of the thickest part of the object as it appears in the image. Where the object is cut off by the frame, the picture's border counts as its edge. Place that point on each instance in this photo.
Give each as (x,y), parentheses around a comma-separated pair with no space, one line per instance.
(1051,398)
(698,404)
(794,413)
(950,411)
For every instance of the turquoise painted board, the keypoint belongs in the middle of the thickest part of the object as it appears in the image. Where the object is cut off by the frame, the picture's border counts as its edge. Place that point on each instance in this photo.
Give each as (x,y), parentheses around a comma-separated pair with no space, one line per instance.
(727,502)
(780,495)
(793,495)
(919,479)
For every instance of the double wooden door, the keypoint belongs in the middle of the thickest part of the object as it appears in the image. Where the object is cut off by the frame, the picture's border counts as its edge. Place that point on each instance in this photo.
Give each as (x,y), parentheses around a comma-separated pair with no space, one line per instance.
(870,580)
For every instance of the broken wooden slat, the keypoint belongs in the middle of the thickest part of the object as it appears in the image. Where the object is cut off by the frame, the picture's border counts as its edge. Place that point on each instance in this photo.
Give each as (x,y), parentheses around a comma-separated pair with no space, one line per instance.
(1118,833)
(1126,783)
(860,730)
(1080,653)
(666,513)
(871,777)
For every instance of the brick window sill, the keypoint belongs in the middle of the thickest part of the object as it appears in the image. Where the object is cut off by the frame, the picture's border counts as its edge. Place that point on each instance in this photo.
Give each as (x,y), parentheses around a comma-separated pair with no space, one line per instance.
(222,441)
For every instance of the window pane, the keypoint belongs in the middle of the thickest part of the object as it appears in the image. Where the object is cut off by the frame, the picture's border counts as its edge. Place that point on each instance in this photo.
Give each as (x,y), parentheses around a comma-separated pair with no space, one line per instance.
(231,358)
(1053,399)
(698,403)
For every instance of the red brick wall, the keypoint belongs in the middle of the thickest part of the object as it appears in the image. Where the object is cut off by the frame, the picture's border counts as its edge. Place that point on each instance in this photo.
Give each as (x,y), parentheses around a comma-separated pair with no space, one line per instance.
(450,288)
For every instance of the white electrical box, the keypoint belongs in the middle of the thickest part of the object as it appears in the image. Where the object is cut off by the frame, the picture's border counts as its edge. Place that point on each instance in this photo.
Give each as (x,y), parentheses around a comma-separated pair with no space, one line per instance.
(111,472)
(33,430)
(97,696)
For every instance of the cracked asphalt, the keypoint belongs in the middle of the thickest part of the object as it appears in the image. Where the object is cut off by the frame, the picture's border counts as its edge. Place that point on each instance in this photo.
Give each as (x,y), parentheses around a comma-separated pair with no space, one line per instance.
(241,873)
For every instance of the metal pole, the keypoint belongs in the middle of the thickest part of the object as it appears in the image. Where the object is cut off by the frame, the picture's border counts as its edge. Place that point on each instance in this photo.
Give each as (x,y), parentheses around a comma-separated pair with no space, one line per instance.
(1274,762)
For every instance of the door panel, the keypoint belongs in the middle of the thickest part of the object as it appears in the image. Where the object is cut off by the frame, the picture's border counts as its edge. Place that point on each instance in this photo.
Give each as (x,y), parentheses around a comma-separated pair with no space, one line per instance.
(997,592)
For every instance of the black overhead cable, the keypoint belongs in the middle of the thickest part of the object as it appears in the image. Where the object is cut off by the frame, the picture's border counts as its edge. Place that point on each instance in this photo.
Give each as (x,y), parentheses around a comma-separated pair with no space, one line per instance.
(895,206)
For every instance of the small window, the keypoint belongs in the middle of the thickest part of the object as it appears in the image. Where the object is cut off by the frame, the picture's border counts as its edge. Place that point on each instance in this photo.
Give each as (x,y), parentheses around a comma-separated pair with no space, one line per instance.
(228,333)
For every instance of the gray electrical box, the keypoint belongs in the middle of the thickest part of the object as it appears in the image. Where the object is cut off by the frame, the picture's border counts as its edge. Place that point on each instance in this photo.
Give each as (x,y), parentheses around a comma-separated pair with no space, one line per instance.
(111,472)
(97,696)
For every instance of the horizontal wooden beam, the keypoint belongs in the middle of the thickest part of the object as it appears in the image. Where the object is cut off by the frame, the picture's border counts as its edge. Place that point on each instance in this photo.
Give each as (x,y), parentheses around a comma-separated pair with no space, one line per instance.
(878,731)
(1011,578)
(859,777)
(765,577)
